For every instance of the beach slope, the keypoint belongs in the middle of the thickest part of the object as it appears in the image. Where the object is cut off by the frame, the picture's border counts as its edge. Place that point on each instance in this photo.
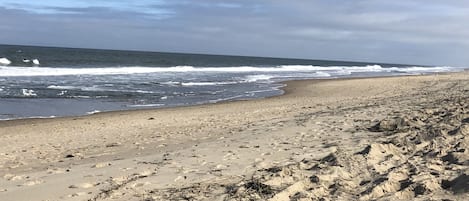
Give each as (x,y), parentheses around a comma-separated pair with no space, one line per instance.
(394,138)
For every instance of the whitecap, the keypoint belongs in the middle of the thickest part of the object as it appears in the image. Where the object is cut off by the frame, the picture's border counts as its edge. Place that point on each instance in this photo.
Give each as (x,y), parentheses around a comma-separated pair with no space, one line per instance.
(4,61)
(13,71)
(28,92)
(321,74)
(171,83)
(83,97)
(146,105)
(260,91)
(62,93)
(255,78)
(206,83)
(62,87)
(93,112)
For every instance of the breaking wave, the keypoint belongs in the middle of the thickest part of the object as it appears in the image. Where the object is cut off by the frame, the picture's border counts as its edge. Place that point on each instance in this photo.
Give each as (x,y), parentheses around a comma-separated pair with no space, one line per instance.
(323,71)
(4,62)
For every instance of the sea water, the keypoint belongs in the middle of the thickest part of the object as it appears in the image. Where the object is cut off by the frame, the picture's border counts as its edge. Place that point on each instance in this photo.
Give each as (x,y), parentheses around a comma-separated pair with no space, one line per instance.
(50,82)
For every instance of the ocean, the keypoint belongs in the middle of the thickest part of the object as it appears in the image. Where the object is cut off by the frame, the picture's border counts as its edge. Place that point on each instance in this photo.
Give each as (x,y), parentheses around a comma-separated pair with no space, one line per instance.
(42,82)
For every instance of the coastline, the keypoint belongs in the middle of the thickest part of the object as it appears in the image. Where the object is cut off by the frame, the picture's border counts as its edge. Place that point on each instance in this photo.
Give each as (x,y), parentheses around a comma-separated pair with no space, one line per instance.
(271,143)
(286,90)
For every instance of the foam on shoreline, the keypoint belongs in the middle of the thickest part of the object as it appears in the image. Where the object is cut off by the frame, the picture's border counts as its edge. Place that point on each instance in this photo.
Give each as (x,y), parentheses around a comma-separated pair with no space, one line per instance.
(13,71)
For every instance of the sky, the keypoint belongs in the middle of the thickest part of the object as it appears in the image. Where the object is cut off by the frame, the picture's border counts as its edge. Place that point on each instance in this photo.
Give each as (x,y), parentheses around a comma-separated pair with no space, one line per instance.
(426,32)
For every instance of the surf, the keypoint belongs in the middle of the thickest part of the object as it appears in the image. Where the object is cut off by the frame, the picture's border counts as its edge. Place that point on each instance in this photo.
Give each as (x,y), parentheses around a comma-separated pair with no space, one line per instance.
(15,71)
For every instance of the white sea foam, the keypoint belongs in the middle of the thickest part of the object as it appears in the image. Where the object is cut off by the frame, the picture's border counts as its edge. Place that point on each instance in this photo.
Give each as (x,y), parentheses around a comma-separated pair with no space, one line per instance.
(226,99)
(62,93)
(28,92)
(206,83)
(93,112)
(427,69)
(146,105)
(83,97)
(31,117)
(172,83)
(13,71)
(255,78)
(36,62)
(97,89)
(321,74)
(4,62)
(260,91)
(82,88)
(62,87)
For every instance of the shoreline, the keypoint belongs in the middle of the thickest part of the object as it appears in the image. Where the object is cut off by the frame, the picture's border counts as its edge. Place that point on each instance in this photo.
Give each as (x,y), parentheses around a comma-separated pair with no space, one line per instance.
(382,138)
(286,90)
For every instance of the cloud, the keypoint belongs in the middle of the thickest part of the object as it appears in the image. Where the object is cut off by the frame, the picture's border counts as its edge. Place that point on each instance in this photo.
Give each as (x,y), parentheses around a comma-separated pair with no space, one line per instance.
(400,31)
(77,7)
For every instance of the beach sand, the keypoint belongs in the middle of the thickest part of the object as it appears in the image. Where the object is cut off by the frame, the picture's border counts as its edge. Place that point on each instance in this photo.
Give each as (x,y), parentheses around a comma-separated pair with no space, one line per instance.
(394,138)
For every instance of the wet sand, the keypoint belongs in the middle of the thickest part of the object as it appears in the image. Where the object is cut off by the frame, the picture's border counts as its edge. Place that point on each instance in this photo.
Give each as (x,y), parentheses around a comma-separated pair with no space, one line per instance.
(395,138)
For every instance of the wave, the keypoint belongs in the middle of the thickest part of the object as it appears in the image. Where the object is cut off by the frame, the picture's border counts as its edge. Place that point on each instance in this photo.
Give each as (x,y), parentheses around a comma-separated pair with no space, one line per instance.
(206,83)
(321,74)
(4,62)
(262,91)
(226,99)
(14,71)
(255,78)
(31,117)
(98,89)
(28,93)
(146,105)
(94,112)
(63,87)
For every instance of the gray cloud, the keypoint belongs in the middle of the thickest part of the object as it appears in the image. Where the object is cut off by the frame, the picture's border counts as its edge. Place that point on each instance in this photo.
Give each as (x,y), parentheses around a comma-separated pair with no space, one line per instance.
(402,31)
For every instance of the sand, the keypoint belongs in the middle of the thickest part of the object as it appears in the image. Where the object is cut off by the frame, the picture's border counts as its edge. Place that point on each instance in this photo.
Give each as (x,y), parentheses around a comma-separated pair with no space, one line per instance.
(395,138)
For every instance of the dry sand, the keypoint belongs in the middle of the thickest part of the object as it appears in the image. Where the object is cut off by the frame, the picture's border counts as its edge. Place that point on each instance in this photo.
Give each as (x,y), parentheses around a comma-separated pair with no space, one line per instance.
(397,138)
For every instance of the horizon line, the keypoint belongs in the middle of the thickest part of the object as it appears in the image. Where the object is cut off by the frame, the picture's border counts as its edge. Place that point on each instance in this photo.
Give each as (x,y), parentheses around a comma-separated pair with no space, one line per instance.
(212,54)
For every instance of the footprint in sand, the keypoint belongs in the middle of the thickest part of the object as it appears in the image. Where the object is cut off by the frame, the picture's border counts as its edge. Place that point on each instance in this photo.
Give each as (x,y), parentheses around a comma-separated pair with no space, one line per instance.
(123,179)
(77,194)
(137,185)
(101,165)
(127,169)
(56,171)
(12,177)
(230,156)
(180,178)
(147,173)
(32,183)
(82,185)
(119,180)
(220,167)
